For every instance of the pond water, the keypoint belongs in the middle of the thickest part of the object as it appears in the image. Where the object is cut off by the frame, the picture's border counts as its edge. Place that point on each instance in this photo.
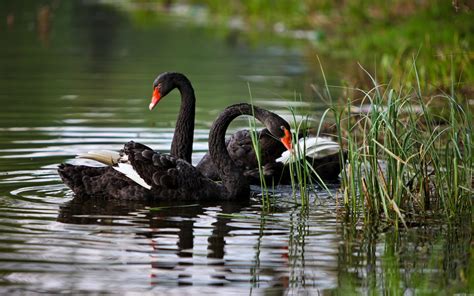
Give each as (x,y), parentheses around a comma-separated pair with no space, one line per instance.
(77,76)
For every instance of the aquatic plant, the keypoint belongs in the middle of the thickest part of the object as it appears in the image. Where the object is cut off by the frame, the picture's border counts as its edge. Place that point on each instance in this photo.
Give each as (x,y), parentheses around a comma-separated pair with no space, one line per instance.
(304,176)
(404,158)
(298,168)
(299,171)
(258,155)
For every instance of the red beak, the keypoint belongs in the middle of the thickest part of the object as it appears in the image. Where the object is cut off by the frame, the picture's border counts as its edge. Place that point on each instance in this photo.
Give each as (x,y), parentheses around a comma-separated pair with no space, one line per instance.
(286,140)
(155,99)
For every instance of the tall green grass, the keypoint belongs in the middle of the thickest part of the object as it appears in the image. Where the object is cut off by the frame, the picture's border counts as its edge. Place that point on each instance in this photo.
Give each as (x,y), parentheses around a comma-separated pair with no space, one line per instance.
(409,155)
(302,173)
(258,154)
(405,158)
(299,171)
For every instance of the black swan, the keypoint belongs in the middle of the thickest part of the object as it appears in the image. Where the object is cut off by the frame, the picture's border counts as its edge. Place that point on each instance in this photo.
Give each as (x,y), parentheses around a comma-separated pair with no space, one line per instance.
(138,172)
(239,145)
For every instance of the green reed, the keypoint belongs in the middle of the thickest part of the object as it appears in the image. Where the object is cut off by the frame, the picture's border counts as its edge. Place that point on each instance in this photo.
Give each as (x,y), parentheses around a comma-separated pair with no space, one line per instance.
(256,147)
(298,169)
(405,158)
(302,173)
(258,154)
(408,155)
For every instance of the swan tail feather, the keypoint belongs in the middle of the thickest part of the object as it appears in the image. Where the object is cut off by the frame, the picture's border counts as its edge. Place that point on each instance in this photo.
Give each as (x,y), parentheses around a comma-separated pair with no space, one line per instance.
(103,156)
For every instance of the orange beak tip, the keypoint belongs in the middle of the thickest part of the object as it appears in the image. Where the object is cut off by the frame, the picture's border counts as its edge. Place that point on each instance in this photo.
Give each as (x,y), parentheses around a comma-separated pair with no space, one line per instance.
(154,99)
(290,147)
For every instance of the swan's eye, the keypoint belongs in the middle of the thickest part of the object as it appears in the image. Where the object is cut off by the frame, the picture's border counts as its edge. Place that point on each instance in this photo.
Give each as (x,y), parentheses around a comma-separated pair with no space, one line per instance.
(282,128)
(158,86)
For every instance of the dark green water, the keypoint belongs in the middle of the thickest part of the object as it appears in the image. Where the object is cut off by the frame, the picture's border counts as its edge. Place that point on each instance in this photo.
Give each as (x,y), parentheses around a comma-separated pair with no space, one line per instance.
(76,76)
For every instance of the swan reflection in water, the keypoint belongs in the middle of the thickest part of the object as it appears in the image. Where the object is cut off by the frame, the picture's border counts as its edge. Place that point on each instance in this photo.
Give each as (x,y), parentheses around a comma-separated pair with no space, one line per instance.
(185,244)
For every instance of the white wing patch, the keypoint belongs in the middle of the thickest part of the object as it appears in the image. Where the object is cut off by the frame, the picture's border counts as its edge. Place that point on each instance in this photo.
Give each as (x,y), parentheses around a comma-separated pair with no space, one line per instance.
(128,170)
(316,148)
(119,163)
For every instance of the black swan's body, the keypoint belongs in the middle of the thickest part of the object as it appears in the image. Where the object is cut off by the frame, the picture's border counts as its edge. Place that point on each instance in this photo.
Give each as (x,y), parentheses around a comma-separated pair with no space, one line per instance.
(168,177)
(164,179)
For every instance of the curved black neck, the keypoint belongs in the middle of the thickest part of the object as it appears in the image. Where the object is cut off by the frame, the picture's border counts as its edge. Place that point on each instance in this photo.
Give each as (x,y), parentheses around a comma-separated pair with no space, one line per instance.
(232,177)
(182,144)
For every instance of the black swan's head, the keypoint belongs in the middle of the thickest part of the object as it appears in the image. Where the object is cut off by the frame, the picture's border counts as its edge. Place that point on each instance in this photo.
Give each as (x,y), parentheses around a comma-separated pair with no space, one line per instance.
(279,128)
(163,84)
